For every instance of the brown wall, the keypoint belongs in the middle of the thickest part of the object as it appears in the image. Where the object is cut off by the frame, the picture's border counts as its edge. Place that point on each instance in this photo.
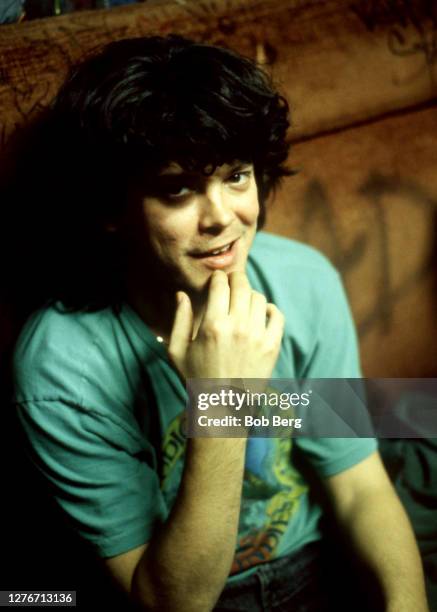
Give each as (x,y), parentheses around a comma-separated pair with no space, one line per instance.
(367,197)
(362,82)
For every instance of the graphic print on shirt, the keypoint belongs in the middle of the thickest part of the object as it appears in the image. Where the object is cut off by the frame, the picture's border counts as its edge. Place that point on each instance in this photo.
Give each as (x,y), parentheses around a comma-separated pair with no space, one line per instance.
(272,489)
(173,451)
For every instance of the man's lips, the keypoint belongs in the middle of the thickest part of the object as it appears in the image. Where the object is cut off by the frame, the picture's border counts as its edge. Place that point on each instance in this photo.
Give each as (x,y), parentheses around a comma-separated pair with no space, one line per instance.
(208,253)
(222,260)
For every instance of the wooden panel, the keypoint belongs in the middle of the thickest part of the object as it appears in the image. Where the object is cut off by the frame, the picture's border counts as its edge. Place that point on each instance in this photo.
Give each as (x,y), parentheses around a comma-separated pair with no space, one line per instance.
(338,61)
(367,197)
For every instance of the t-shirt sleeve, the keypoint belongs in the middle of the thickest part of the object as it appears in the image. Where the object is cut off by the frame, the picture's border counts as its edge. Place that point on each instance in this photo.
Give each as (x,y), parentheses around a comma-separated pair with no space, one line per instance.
(335,354)
(110,493)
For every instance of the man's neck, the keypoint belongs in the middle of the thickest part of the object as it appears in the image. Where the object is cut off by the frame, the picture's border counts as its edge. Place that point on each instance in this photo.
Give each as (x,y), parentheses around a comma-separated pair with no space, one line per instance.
(158,309)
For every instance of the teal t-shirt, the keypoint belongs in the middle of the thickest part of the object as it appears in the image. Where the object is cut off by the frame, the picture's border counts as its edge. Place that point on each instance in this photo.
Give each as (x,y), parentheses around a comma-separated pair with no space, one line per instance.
(101,408)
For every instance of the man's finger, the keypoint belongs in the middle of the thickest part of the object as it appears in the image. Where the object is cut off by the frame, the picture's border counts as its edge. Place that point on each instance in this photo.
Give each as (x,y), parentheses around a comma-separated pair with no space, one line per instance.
(240,297)
(275,322)
(182,329)
(258,311)
(217,305)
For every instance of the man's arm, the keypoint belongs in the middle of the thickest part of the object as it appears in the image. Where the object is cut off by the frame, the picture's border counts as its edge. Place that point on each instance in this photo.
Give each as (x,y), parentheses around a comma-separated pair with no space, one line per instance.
(372,518)
(186,563)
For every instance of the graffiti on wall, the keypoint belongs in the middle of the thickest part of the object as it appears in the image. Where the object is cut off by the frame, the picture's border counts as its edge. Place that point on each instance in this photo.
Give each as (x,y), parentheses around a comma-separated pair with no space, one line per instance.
(318,208)
(412,26)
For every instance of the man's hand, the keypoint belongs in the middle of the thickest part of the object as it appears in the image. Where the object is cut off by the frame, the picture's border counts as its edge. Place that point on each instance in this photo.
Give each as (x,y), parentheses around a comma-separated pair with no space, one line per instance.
(239,336)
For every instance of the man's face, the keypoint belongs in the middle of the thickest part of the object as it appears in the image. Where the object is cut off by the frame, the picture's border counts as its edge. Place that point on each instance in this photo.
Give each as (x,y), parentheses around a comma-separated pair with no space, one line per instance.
(189,216)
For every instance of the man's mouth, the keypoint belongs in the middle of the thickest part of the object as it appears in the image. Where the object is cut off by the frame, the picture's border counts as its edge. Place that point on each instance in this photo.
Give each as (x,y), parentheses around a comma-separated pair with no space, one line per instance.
(220,258)
(218,251)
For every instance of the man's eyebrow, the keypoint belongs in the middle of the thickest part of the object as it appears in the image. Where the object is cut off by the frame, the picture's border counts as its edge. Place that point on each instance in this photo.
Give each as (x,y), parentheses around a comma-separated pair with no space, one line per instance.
(164,183)
(177,177)
(180,173)
(239,165)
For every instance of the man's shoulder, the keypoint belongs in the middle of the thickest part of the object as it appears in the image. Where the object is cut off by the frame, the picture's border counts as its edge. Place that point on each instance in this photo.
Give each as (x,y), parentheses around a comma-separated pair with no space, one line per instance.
(53,329)
(303,283)
(279,252)
(55,348)
(309,291)
(281,265)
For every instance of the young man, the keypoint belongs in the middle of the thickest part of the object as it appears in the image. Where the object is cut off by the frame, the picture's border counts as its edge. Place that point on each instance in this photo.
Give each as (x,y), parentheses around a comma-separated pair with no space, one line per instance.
(151,270)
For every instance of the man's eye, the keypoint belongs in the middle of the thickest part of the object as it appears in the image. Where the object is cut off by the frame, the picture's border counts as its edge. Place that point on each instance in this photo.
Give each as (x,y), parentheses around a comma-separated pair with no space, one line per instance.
(174,190)
(239,178)
(178,192)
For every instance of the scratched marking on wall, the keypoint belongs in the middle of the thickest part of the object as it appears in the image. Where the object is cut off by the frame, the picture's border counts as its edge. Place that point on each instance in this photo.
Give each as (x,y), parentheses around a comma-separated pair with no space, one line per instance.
(412,26)
(319,208)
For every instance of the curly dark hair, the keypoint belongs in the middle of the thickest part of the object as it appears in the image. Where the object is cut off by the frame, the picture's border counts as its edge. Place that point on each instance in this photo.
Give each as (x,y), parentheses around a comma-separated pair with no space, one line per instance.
(121,116)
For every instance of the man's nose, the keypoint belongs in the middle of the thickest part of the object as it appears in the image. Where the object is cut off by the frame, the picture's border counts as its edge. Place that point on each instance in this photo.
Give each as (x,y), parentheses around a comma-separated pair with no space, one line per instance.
(216,209)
